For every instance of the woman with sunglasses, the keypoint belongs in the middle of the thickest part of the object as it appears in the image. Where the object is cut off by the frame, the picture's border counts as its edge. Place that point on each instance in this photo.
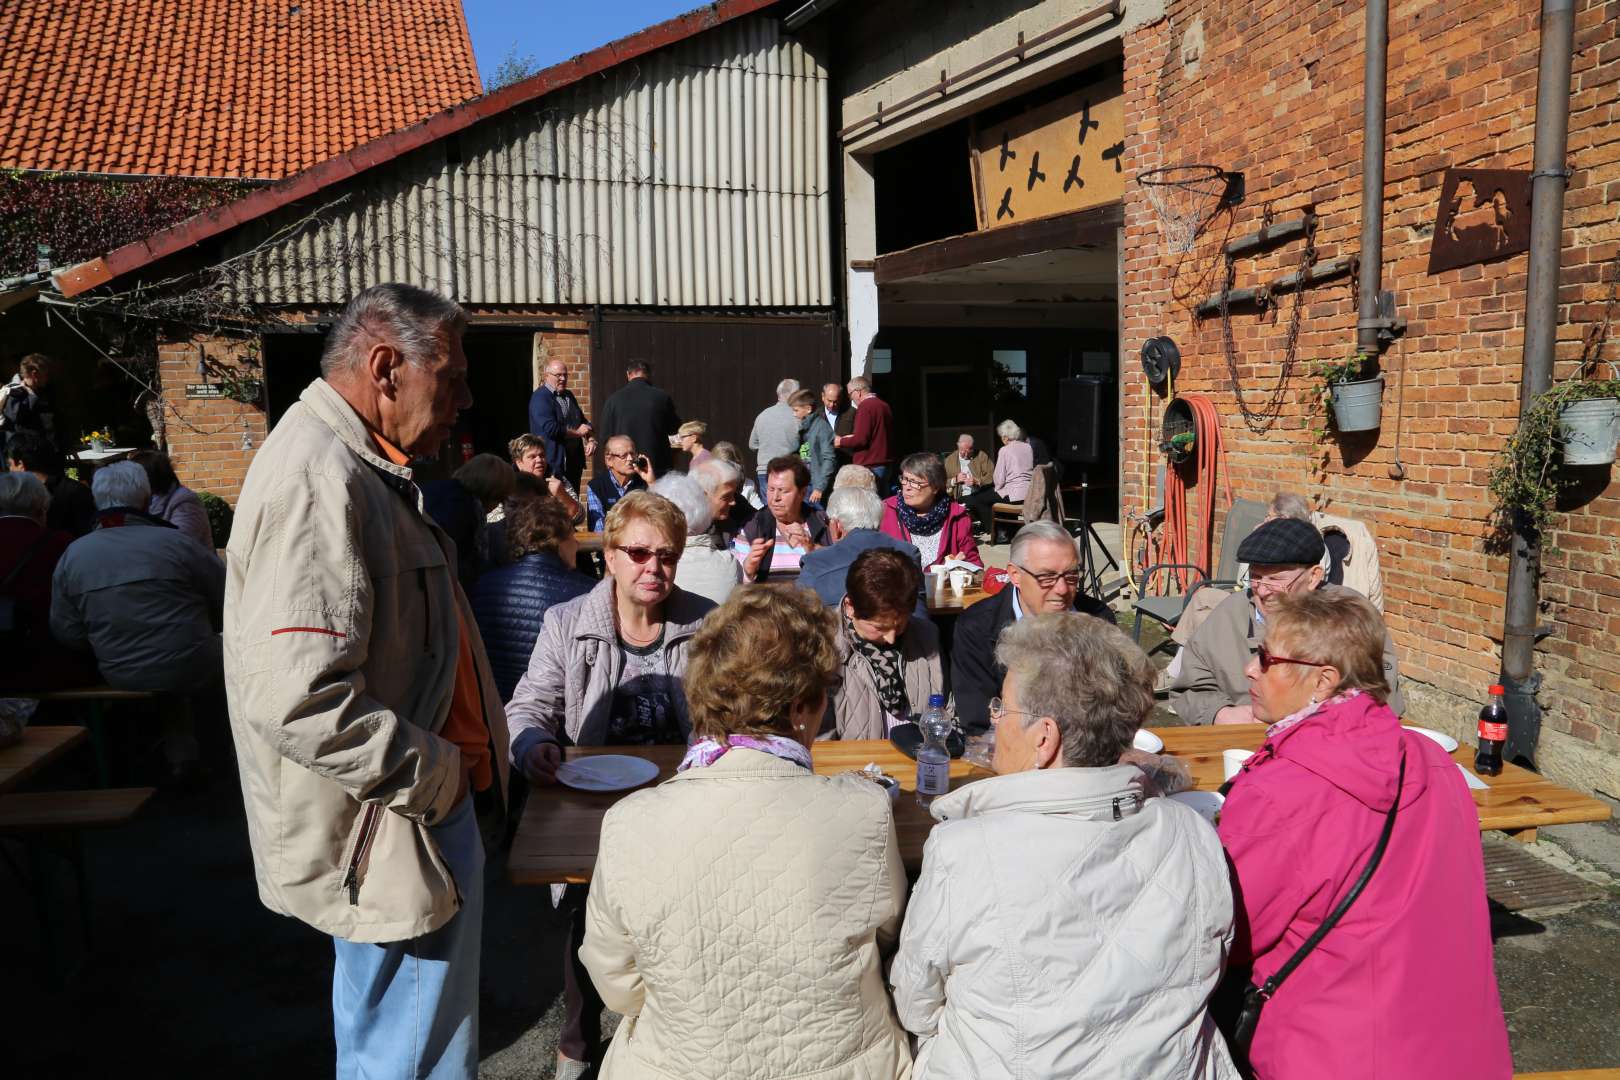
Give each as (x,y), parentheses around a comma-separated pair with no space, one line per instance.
(1065,924)
(741,912)
(1402,986)
(924,515)
(608,670)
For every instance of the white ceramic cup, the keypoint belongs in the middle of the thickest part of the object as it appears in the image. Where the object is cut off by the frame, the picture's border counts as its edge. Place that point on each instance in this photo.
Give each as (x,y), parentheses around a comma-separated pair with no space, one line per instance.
(1232,761)
(959,581)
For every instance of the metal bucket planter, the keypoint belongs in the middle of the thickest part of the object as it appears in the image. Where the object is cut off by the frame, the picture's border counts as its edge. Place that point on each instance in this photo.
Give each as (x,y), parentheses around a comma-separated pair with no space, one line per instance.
(1589,428)
(1359,405)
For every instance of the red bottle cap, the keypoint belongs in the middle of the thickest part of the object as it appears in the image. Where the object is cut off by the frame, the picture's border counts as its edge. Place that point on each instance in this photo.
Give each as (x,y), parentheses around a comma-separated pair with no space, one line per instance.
(1497,690)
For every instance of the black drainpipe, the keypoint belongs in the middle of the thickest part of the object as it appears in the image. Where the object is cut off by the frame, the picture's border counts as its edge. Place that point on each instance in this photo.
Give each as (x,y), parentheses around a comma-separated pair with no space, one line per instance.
(1547,183)
(1369,276)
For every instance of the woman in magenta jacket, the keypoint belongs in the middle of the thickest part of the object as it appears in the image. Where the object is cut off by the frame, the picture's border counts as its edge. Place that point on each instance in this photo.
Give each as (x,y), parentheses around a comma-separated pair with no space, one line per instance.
(1403,987)
(923,515)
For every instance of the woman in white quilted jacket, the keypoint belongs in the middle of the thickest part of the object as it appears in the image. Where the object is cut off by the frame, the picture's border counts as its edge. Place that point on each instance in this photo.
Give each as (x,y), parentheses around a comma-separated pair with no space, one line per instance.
(1064,925)
(739,912)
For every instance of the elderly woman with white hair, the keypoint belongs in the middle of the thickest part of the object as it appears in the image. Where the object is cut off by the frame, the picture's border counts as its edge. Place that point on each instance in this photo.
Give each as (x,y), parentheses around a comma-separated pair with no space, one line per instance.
(1015,463)
(722,482)
(707,567)
(1065,924)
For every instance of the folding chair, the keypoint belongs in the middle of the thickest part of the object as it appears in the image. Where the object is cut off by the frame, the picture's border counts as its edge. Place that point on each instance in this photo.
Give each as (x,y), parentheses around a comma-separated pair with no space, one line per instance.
(1241,520)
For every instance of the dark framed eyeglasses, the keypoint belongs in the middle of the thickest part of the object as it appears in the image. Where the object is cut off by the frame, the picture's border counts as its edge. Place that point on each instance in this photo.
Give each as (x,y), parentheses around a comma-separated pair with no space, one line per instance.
(1267,660)
(640,555)
(1048,580)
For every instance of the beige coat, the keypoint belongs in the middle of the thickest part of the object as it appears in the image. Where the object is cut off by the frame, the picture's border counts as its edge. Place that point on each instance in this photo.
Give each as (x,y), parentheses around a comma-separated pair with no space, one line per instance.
(341,639)
(854,706)
(1361,570)
(738,915)
(1212,664)
(981,472)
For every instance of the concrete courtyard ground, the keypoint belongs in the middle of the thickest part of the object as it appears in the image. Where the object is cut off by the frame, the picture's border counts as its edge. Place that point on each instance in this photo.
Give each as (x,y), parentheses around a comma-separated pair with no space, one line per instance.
(190,976)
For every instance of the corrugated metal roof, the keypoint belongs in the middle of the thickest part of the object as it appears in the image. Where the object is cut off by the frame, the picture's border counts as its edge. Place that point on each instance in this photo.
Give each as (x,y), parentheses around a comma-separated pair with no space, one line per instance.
(695,177)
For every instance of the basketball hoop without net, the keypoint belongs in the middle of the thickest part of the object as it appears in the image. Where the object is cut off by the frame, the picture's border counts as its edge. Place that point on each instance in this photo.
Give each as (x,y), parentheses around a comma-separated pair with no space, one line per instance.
(1185,197)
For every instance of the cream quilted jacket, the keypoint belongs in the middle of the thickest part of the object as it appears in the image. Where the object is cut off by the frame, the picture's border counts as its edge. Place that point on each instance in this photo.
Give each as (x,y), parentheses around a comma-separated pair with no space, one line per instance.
(736,918)
(1062,927)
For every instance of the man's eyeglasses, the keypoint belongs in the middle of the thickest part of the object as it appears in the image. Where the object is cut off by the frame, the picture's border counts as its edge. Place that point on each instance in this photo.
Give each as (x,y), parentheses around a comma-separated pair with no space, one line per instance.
(998,709)
(1049,580)
(640,555)
(1277,583)
(1267,660)
(558,374)
(612,455)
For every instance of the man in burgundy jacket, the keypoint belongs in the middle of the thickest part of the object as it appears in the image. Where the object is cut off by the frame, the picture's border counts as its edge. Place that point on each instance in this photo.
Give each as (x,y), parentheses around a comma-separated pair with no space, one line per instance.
(869,443)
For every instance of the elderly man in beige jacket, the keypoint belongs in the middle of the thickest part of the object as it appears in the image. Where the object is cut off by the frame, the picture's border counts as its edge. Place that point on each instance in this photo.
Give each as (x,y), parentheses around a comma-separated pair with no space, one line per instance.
(361,701)
(1209,686)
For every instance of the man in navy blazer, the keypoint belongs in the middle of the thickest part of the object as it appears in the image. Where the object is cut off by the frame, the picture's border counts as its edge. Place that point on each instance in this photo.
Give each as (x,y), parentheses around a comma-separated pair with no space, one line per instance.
(853,516)
(555,416)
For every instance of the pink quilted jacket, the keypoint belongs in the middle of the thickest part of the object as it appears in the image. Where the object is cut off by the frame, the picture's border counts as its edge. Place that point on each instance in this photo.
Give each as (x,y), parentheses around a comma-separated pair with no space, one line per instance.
(1403,988)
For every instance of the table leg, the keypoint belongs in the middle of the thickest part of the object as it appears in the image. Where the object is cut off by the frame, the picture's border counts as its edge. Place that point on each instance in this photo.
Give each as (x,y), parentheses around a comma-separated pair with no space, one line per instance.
(95,720)
(1523,836)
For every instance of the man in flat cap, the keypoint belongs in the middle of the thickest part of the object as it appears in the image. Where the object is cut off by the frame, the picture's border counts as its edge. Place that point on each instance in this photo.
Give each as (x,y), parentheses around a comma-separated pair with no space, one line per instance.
(1284,556)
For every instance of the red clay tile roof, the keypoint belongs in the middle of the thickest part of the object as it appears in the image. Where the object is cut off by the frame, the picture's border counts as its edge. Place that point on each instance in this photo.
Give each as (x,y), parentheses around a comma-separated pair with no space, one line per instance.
(256,204)
(249,88)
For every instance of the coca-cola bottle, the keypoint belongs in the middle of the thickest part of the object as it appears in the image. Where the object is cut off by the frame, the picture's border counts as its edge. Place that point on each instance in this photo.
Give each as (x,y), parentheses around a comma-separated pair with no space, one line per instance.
(1493,732)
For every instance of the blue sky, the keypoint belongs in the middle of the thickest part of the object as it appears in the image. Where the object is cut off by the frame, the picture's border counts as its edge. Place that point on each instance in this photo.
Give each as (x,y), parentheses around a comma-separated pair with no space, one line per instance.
(553,30)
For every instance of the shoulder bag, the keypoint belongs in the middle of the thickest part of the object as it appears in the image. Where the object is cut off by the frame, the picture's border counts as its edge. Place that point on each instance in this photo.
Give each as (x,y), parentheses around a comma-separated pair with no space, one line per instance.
(1255,997)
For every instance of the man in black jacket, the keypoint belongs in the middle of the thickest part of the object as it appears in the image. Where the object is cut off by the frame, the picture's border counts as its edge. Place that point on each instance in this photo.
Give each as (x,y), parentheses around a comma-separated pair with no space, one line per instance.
(643,412)
(1044,565)
(73,508)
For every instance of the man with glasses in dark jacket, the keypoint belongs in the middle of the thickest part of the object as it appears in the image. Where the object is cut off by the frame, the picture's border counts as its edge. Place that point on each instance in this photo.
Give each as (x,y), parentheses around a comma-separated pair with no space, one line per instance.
(1044,565)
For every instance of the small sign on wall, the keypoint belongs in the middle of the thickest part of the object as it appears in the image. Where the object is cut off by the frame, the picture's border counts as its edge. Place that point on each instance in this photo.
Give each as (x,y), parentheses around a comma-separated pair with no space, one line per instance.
(1065,155)
(204,390)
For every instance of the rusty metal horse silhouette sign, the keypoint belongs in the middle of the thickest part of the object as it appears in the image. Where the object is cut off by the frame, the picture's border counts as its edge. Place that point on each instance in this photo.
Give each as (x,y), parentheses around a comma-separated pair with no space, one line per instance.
(1484,214)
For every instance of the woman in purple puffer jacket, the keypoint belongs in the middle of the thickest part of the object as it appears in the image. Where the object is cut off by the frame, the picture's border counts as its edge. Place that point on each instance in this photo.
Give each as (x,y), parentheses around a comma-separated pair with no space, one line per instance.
(1403,987)
(173,501)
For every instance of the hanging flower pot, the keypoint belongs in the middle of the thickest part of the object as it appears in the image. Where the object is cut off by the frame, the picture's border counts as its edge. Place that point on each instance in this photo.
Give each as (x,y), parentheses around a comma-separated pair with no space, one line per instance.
(1589,428)
(1358,405)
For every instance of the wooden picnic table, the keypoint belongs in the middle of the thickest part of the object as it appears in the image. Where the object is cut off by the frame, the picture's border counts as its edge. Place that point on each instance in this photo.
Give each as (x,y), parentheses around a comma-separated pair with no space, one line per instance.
(588,541)
(40,746)
(946,602)
(557,839)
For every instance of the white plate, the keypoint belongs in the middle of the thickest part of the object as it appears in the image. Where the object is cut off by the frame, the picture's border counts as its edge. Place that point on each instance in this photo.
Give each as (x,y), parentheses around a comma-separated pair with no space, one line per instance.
(1474,782)
(1207,803)
(606,772)
(1147,742)
(1447,743)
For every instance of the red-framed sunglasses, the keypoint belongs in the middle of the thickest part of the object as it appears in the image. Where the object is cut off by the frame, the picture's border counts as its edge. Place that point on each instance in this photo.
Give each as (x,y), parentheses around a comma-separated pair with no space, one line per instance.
(1267,659)
(639,555)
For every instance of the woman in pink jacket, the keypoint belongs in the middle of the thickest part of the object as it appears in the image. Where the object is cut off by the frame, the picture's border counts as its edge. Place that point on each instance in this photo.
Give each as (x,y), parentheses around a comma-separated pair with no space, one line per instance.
(1403,987)
(926,517)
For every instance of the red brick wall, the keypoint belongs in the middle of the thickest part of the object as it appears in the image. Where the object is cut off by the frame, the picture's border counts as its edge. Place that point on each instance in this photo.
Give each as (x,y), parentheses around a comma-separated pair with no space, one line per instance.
(1276,93)
(205,435)
(569,341)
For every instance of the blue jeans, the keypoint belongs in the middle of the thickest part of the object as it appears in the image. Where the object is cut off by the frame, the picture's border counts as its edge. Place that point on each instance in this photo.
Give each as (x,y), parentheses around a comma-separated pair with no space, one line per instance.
(882,474)
(409,1009)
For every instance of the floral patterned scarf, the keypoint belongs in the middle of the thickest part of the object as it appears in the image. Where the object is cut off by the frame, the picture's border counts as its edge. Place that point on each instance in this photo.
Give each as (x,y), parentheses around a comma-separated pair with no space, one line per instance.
(708,751)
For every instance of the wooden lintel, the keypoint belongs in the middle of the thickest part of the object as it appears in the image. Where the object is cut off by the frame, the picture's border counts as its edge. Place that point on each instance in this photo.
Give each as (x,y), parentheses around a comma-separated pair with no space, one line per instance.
(1095,227)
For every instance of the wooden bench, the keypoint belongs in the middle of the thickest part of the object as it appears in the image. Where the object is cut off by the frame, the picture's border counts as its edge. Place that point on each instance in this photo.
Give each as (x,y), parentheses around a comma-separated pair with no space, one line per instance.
(92,702)
(42,820)
(1571,1074)
(41,744)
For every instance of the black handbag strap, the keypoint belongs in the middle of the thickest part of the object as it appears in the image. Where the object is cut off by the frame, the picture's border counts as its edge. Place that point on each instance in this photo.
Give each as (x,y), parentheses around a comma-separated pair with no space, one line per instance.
(27,555)
(1264,992)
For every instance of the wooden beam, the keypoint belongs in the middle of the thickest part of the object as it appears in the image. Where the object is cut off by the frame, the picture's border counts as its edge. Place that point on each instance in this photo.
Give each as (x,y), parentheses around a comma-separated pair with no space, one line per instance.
(1083,228)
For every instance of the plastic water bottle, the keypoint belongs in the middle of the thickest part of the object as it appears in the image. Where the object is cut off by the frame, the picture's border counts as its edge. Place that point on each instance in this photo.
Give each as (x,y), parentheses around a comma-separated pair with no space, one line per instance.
(933,758)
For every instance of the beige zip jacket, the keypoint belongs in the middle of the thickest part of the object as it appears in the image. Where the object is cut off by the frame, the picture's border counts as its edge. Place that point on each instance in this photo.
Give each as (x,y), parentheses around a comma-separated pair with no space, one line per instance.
(341,638)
